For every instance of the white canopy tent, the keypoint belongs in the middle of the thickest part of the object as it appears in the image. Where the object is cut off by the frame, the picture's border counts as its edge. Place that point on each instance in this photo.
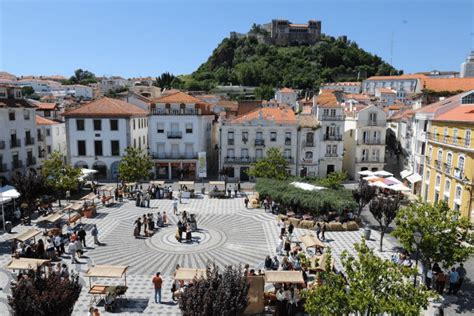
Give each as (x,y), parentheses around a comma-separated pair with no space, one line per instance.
(366,173)
(414,178)
(405,173)
(7,193)
(306,186)
(399,187)
(379,184)
(383,173)
(86,173)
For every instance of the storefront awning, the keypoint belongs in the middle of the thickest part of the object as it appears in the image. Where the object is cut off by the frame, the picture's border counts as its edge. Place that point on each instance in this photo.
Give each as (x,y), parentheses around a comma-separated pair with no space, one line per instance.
(414,178)
(405,173)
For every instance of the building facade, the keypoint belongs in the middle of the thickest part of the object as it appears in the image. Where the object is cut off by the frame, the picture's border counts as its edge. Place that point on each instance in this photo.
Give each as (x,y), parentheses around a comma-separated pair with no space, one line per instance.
(180,128)
(450,156)
(51,136)
(99,132)
(17,143)
(346,87)
(364,140)
(283,32)
(246,139)
(286,96)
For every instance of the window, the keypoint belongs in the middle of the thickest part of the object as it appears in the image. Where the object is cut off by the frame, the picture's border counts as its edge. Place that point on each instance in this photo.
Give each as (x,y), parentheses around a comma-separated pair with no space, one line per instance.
(160,128)
(288,138)
(308,155)
(449,159)
(245,136)
(133,120)
(273,136)
(259,135)
(445,134)
(326,112)
(114,125)
(48,132)
(47,113)
(455,136)
(244,153)
(447,187)
(372,117)
(135,143)
(230,138)
(230,153)
(440,155)
(435,133)
(80,125)
(333,112)
(81,148)
(11,115)
(428,174)
(430,151)
(458,193)
(49,149)
(334,149)
(97,125)
(328,149)
(461,163)
(98,147)
(26,114)
(259,153)
(115,147)
(189,128)
(467,138)
(438,180)
(287,153)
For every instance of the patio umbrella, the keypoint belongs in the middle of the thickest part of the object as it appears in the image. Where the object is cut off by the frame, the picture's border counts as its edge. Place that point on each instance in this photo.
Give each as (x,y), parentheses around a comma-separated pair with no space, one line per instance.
(366,173)
(383,173)
(399,187)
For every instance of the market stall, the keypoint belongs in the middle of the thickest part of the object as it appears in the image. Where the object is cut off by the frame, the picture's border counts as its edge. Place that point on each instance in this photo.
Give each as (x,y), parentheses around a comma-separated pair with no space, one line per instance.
(188,274)
(217,189)
(26,264)
(89,208)
(187,189)
(284,277)
(74,209)
(310,241)
(27,235)
(52,219)
(319,263)
(108,293)
(106,195)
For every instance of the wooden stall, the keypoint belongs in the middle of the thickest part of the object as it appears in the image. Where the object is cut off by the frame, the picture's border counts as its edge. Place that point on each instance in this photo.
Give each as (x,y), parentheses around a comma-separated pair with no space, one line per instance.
(99,291)
(26,264)
(284,277)
(216,189)
(90,207)
(27,235)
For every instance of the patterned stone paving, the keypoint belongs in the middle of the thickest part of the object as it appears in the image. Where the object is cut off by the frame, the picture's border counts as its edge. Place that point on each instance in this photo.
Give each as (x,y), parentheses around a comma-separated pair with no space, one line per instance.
(228,234)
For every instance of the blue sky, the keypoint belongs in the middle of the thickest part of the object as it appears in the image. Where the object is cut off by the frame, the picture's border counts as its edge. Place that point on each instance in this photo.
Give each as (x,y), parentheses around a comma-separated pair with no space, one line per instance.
(140,38)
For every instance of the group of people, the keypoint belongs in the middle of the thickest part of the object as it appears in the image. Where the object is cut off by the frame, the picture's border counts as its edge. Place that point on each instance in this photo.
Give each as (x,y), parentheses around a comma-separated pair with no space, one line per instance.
(436,278)
(147,221)
(185,225)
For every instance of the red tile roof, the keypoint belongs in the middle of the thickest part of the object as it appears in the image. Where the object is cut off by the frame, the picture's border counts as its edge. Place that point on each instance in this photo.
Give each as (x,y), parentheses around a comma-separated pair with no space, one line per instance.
(448,84)
(461,113)
(287,90)
(106,107)
(41,106)
(44,121)
(282,116)
(177,97)
(402,77)
(327,99)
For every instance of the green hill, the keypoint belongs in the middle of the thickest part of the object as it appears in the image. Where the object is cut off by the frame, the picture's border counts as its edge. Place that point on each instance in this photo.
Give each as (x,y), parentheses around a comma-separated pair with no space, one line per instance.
(247,62)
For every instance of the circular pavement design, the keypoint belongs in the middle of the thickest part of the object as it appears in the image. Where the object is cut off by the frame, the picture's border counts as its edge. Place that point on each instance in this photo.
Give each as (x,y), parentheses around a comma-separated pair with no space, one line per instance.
(204,239)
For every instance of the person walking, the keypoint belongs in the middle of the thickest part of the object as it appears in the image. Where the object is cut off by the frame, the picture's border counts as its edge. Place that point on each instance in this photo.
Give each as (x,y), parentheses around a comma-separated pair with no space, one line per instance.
(453,281)
(268,263)
(165,219)
(138,224)
(440,282)
(282,226)
(82,236)
(145,225)
(291,227)
(462,274)
(95,234)
(246,202)
(318,230)
(72,251)
(323,232)
(175,207)
(157,282)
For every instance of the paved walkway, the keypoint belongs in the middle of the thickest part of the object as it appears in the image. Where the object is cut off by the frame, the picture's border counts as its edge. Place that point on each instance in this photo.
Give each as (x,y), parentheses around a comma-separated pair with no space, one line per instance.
(228,234)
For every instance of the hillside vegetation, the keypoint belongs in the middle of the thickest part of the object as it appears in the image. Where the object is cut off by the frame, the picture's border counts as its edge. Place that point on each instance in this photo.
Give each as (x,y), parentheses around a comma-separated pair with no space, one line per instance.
(244,61)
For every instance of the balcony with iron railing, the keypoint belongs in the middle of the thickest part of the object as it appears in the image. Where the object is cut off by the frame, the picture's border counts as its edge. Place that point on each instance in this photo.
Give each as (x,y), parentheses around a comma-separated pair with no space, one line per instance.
(369,160)
(3,167)
(239,160)
(447,168)
(308,144)
(329,137)
(17,164)
(332,117)
(15,143)
(259,142)
(458,173)
(29,141)
(230,142)
(331,155)
(449,140)
(437,164)
(168,156)
(31,161)
(156,111)
(175,134)
(370,141)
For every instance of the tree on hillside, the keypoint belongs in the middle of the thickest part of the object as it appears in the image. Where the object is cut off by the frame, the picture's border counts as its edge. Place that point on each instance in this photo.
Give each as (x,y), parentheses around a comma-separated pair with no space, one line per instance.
(273,166)
(60,175)
(41,294)
(83,77)
(384,210)
(220,293)
(371,286)
(364,194)
(135,165)
(446,238)
(31,187)
(167,81)
(264,92)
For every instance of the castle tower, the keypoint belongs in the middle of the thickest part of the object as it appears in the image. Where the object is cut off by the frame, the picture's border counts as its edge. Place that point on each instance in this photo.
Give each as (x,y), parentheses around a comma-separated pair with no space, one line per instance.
(467,67)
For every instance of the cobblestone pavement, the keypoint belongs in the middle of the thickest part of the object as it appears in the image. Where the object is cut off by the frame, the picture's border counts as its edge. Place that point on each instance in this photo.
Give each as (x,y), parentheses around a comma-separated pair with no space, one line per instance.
(228,234)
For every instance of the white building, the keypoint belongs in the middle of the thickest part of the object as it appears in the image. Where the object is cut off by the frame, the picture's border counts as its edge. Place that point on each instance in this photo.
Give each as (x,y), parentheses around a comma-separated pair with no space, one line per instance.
(386,96)
(346,87)
(112,83)
(17,140)
(286,96)
(51,136)
(364,140)
(404,84)
(309,141)
(99,132)
(180,127)
(41,87)
(467,67)
(76,90)
(330,114)
(247,138)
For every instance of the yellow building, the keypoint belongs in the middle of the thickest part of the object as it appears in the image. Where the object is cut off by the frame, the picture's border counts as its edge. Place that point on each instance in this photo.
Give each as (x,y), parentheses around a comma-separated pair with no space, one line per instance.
(449,171)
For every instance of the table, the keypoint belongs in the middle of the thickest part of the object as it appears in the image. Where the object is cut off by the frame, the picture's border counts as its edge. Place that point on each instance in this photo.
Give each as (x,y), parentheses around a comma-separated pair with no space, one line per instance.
(98,290)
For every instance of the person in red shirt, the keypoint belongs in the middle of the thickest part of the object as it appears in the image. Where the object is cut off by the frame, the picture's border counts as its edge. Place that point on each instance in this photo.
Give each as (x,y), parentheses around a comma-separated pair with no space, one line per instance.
(157,282)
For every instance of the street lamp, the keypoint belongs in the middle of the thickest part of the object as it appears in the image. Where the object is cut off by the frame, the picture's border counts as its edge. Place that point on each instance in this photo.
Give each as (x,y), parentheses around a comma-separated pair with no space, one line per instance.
(417,236)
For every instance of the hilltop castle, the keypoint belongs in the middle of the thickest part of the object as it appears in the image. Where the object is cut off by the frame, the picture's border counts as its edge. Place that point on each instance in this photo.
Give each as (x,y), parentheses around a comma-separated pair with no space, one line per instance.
(283,33)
